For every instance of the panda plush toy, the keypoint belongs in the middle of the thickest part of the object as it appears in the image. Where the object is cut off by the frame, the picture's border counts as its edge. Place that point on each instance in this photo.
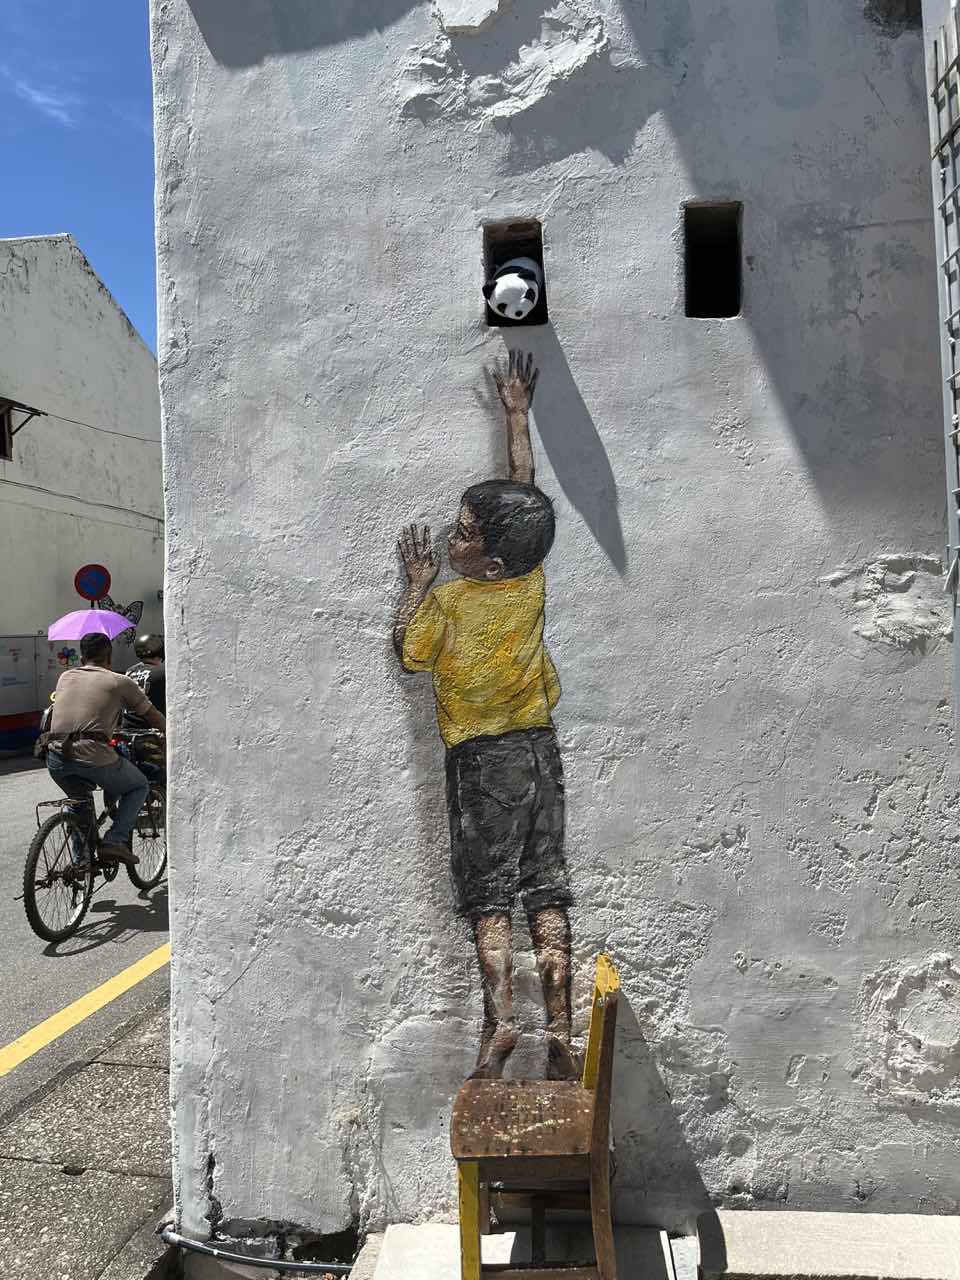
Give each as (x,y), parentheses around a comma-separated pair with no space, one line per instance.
(514,289)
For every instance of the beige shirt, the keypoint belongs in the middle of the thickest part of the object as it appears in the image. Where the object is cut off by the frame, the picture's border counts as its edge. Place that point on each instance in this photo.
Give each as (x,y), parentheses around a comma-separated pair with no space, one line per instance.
(91,697)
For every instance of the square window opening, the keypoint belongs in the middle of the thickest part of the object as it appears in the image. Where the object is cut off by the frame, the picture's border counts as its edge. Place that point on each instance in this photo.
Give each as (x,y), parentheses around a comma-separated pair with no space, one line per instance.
(514,238)
(713,259)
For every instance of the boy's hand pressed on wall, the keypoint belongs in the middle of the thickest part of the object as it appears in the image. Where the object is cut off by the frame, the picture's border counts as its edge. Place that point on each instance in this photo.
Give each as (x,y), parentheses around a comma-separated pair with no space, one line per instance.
(518,384)
(420,562)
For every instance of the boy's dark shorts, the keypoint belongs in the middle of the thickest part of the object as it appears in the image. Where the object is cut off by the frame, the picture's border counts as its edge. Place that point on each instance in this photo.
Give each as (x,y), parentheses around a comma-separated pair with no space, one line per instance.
(505,800)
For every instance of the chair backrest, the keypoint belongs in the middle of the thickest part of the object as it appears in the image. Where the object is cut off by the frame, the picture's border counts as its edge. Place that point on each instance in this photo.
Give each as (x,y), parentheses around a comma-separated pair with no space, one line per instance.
(598,1060)
(605,989)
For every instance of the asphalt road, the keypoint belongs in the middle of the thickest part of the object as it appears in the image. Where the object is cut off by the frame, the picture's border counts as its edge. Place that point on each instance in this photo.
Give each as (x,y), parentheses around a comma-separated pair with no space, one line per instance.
(38,979)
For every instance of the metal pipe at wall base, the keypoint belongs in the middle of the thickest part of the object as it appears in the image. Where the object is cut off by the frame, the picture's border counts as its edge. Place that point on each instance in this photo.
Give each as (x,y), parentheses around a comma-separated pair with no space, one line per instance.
(169,1236)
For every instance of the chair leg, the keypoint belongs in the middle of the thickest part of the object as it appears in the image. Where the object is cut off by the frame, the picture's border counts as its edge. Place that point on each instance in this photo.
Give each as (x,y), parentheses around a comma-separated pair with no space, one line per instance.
(468,1175)
(600,1215)
(538,1232)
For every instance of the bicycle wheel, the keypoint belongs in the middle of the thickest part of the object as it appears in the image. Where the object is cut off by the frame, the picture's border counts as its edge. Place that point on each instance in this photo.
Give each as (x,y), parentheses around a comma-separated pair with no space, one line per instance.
(55,893)
(150,840)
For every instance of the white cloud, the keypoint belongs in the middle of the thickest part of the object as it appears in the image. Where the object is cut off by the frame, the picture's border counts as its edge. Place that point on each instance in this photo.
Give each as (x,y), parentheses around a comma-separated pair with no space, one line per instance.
(58,106)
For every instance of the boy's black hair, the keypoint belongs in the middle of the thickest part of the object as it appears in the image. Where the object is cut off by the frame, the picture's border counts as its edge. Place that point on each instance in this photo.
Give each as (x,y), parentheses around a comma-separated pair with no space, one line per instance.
(95,647)
(516,520)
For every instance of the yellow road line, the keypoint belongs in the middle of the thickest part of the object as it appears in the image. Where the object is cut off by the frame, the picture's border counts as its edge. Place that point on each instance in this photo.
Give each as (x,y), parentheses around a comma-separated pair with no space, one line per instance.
(52,1028)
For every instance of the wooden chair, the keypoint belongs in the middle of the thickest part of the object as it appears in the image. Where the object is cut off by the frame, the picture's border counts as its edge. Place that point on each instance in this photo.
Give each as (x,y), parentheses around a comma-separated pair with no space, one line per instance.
(541,1144)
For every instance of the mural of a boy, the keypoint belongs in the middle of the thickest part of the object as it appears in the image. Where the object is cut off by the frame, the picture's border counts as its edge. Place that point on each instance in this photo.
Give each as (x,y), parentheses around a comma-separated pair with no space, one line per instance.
(481,638)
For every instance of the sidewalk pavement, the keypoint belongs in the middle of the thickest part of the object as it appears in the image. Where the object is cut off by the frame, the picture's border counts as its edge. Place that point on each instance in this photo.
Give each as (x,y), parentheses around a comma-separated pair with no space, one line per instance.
(85,1165)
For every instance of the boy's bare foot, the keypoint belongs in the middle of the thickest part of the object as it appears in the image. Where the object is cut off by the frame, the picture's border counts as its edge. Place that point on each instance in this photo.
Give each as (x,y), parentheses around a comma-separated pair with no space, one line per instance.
(562,1062)
(496,1046)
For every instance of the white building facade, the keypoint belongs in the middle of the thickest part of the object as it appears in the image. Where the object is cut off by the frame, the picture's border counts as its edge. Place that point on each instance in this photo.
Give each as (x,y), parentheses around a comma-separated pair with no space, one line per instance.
(80,483)
(745,600)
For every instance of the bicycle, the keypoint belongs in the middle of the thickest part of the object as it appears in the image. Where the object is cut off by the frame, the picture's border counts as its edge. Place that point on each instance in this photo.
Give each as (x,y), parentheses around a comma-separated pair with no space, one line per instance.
(64,858)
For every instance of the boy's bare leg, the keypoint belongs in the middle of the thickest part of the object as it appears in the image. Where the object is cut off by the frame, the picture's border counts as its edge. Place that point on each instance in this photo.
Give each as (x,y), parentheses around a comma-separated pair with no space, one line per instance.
(550,931)
(494,940)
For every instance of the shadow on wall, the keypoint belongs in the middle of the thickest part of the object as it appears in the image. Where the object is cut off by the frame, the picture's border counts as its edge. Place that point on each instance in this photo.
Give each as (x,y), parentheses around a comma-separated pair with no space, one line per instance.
(572,442)
(242,33)
(848,237)
(604,113)
(852,276)
(650,1148)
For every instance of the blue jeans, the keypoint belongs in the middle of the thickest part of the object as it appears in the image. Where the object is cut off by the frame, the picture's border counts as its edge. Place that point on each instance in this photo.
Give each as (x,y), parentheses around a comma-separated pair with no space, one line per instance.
(121,781)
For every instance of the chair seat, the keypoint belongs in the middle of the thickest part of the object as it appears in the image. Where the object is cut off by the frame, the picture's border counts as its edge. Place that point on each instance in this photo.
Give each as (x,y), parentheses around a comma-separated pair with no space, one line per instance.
(502,1119)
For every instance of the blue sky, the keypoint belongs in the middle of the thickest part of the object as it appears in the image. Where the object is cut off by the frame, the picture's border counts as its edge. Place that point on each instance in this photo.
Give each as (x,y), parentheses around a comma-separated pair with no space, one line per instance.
(76,137)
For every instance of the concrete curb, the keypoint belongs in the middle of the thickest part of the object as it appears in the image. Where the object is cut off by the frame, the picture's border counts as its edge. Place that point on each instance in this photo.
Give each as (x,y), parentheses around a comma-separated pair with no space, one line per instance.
(792,1245)
(145,1256)
(366,1262)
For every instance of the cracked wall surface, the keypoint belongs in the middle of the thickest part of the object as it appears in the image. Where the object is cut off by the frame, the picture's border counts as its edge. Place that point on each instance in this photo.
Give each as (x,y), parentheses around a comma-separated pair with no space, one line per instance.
(745,602)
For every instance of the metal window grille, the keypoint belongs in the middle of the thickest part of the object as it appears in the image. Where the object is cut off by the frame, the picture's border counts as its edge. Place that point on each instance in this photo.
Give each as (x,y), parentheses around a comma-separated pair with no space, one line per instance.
(944,79)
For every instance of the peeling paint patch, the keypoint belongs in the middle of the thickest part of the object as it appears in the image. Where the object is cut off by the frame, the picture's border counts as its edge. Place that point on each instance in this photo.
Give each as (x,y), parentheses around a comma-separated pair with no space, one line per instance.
(831,925)
(732,435)
(433,82)
(794,1069)
(897,600)
(730,850)
(467,17)
(911,1014)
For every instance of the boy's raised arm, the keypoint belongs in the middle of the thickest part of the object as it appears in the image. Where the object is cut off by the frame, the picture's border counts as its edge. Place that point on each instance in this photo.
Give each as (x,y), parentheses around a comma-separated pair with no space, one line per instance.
(516,388)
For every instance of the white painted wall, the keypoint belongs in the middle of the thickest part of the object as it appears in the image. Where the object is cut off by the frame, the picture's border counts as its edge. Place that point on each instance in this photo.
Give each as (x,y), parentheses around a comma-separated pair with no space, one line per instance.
(75,495)
(744,596)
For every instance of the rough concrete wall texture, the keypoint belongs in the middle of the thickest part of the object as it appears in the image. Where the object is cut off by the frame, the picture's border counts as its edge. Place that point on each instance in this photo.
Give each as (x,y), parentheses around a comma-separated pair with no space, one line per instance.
(73,494)
(744,604)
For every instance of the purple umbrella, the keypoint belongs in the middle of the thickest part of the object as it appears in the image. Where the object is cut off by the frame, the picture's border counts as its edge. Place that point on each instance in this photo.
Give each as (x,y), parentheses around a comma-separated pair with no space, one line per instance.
(85,622)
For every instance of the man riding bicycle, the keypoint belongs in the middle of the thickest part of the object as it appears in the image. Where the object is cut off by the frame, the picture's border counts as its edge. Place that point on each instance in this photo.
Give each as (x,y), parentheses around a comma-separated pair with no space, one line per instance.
(89,701)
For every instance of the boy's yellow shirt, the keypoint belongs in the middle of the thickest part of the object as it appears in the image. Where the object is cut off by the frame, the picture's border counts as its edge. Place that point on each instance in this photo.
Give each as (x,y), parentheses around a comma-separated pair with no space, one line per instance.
(483,642)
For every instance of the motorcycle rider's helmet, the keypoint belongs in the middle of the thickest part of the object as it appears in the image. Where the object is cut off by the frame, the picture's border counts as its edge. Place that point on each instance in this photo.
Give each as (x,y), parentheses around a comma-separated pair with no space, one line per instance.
(148,646)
